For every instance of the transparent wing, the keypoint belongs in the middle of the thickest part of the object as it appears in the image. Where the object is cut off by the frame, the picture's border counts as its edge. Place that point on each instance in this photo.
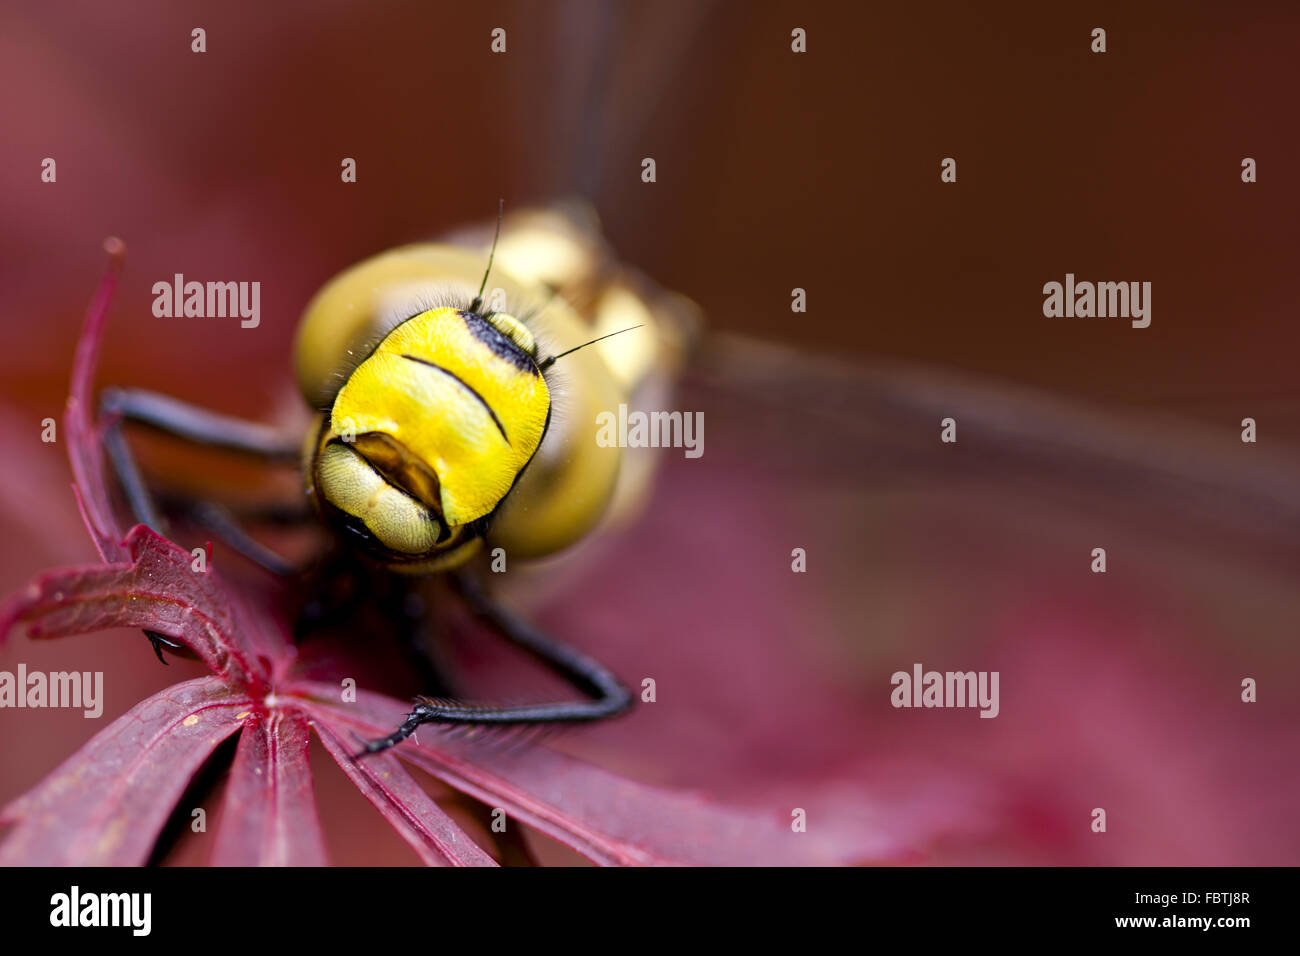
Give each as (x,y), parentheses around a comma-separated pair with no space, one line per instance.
(1127,576)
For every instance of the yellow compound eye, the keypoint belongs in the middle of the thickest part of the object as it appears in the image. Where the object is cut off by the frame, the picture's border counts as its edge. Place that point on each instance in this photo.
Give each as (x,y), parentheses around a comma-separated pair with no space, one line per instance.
(399,522)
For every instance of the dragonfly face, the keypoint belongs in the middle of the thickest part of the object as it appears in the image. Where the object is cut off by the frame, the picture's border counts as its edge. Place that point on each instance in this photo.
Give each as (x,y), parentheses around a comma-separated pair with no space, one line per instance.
(429,433)
(436,428)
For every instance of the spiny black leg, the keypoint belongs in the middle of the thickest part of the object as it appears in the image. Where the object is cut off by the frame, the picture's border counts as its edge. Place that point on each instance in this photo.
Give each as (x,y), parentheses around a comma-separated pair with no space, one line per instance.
(221,523)
(609,696)
(405,609)
(185,421)
(409,726)
(197,425)
(278,513)
(584,672)
(225,522)
(142,506)
(128,473)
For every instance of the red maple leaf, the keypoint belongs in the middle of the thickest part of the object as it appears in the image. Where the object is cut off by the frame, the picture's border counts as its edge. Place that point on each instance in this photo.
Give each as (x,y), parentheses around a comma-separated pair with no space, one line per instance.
(108,802)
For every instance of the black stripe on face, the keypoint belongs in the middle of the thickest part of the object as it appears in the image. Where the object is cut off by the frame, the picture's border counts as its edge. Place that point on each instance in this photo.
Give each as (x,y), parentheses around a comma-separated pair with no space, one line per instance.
(467,386)
(500,344)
